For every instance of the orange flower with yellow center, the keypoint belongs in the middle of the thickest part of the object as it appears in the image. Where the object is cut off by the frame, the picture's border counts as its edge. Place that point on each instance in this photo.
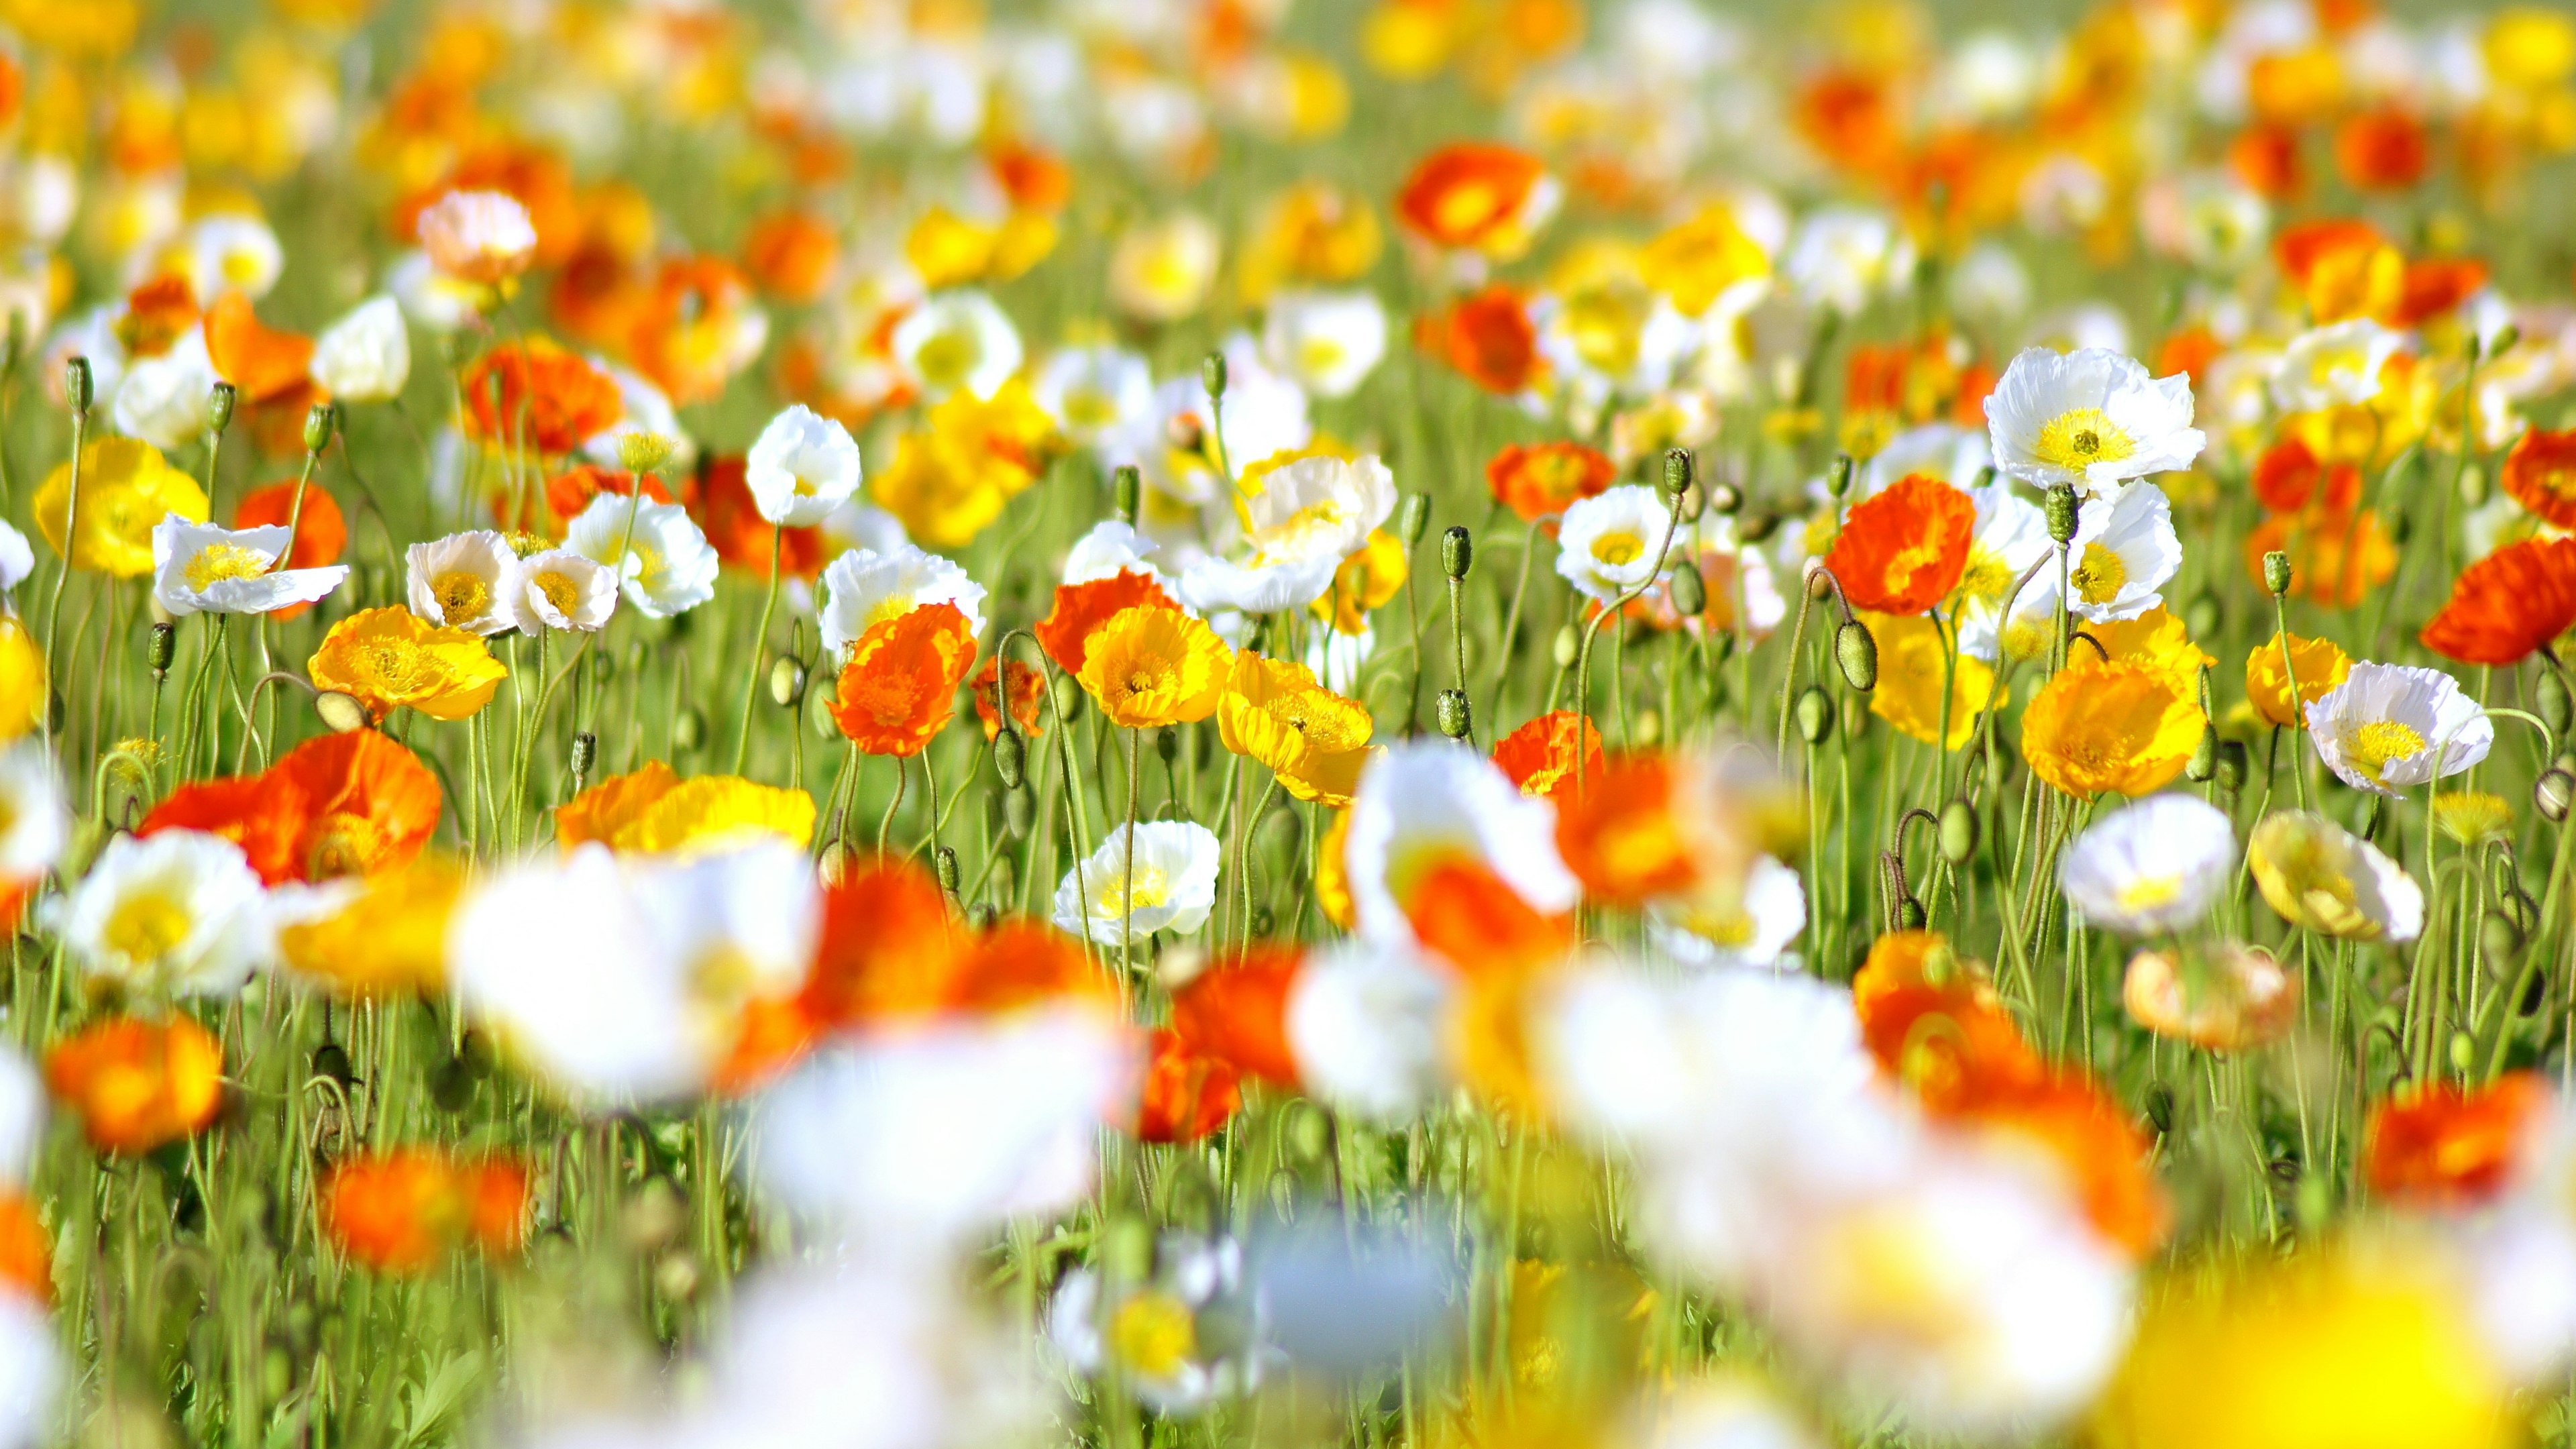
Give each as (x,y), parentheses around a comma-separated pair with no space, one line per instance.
(2540,474)
(391,658)
(1473,195)
(2116,727)
(1534,480)
(2448,1145)
(345,804)
(1540,755)
(1151,666)
(2319,664)
(535,396)
(1903,550)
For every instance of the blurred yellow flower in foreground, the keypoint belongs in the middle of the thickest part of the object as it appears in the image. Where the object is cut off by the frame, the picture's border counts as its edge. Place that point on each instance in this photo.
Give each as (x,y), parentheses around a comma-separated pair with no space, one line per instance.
(388,939)
(653,809)
(1314,740)
(953,477)
(1910,665)
(2320,666)
(2118,726)
(22,681)
(126,488)
(388,658)
(2319,875)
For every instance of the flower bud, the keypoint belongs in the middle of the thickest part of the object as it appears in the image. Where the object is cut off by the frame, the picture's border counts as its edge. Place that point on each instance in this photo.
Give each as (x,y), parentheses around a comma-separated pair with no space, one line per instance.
(1819,584)
(2553,793)
(319,421)
(1010,757)
(946,859)
(1958,832)
(220,401)
(1678,469)
(2499,938)
(163,648)
(1690,591)
(1019,814)
(1413,518)
(1128,488)
(2061,507)
(341,713)
(689,728)
(1568,647)
(1457,552)
(1985,478)
(1757,527)
(1838,475)
(1455,715)
(2231,766)
(2276,572)
(1212,375)
(1167,744)
(585,753)
(2505,338)
(1068,697)
(2204,757)
(1856,650)
(1725,500)
(1003,880)
(1815,716)
(2557,707)
(787,681)
(79,391)
(1650,729)
(640,452)
(1909,914)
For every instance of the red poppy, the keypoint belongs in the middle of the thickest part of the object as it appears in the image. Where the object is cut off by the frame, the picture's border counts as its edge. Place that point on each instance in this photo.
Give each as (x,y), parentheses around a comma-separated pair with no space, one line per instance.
(1187,1095)
(2435,286)
(2289,476)
(2508,604)
(1902,550)
(1237,1010)
(2266,159)
(899,688)
(685,335)
(347,804)
(403,1210)
(1470,917)
(2382,149)
(2540,473)
(157,315)
(1488,336)
(2450,1145)
(570,491)
(1026,688)
(1080,609)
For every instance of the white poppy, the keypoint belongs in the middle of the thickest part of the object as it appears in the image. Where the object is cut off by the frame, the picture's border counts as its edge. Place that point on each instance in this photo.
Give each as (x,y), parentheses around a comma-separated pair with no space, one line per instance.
(199,568)
(2336,366)
(1752,931)
(802,467)
(2388,726)
(2150,867)
(668,565)
(1100,397)
(1328,341)
(1264,414)
(1420,799)
(1841,257)
(2123,554)
(176,911)
(481,237)
(1607,545)
(1169,885)
(1109,549)
(862,525)
(464,581)
(1367,1027)
(35,814)
(2011,535)
(955,341)
(2092,418)
(863,589)
(230,252)
(561,589)
(1309,516)
(429,296)
(162,399)
(366,355)
(643,408)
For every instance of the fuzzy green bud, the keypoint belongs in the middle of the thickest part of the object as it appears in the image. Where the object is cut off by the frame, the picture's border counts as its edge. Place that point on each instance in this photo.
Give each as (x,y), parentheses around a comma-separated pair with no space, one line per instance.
(1838,476)
(1678,471)
(946,858)
(1167,744)
(1856,650)
(1725,499)
(689,728)
(1212,374)
(1568,646)
(341,713)
(1457,552)
(2276,572)
(163,648)
(2500,938)
(2232,767)
(2204,757)
(1413,518)
(1456,716)
(79,389)
(1690,591)
(585,753)
(2061,508)
(1815,716)
(1019,814)
(220,401)
(787,682)
(1958,832)
(2557,706)
(1127,489)
(1909,914)
(319,422)
(1010,757)
(2552,794)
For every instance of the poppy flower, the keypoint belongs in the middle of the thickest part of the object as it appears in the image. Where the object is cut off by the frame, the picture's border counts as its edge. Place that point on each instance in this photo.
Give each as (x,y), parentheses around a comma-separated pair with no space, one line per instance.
(2266,159)
(1237,1010)
(698,327)
(26,1249)
(2381,149)
(157,314)
(725,509)
(1025,692)
(337,805)
(2507,604)
(1314,740)
(791,255)
(2289,476)
(1187,1094)
(2540,473)
(2446,1145)
(126,489)
(1540,755)
(1154,665)
(1488,336)
(2116,726)
(390,939)
(402,1211)
(2319,663)
(1534,480)
(888,946)
(2337,556)
(390,658)
(1913,663)
(569,492)
(1933,1022)
(537,396)
(2321,876)
(1467,915)
(1903,550)
(2234,998)
(138,1084)
(2434,286)
(321,530)
(653,810)
(263,364)
(899,688)
(1477,195)
(1621,836)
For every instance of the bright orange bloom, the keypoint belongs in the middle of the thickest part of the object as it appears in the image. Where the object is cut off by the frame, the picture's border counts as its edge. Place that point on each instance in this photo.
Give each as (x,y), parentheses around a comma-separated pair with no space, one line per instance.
(1237,1010)
(688,335)
(2540,473)
(139,1084)
(26,1249)
(2266,159)
(1464,913)
(402,1211)
(2434,286)
(2449,1145)
(899,689)
(1539,756)
(1187,1094)
(791,255)
(549,400)
(1471,194)
(2095,1144)
(1849,116)
(1035,180)
(535,177)
(2337,556)
(359,803)
(2289,476)
(1619,835)
(1538,479)
(1488,336)
(2190,350)
(2302,248)
(2508,604)
(157,314)
(262,365)
(321,532)
(1026,690)
(1080,609)
(887,942)
(2382,149)
(742,538)
(1902,550)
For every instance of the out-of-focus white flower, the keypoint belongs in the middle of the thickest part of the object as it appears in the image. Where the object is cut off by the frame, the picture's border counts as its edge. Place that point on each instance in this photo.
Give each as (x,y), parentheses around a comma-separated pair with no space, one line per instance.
(231,252)
(2336,366)
(2388,726)
(1366,1026)
(668,565)
(1183,1339)
(1162,271)
(199,568)
(863,589)
(465,581)
(1992,73)
(2124,552)
(1751,931)
(802,467)
(1946,451)
(2151,867)
(162,399)
(366,355)
(1110,548)
(644,408)
(2092,418)
(1607,544)
(1169,885)
(1421,800)
(1990,284)
(2209,219)
(2090,326)
(35,814)
(1841,257)
(1333,657)
(174,912)
(482,237)
(561,589)
(1328,341)
(22,1120)
(429,296)
(863,526)
(960,340)
(1309,516)
(1265,414)
(30,1369)
(17,559)
(1101,397)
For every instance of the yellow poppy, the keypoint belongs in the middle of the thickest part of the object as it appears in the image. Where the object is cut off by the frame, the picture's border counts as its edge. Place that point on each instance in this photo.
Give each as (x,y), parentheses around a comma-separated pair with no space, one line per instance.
(1151,666)
(654,810)
(2156,639)
(390,658)
(22,681)
(1367,580)
(1314,740)
(126,489)
(1910,664)
(954,476)
(2320,667)
(2319,875)
(389,939)
(2122,726)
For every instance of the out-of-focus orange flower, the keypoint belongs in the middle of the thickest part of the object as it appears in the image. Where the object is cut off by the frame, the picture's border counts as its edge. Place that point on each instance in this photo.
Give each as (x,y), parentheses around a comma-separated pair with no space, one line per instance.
(2289,476)
(2434,286)
(1464,913)
(1026,688)
(1620,835)
(1538,479)
(402,1211)
(390,939)
(1539,756)
(2302,247)
(157,314)
(2450,1145)
(537,395)
(1187,1095)
(1902,550)
(26,1249)
(1477,195)
(1849,117)
(342,804)
(886,943)
(699,326)
(391,657)
(1237,1010)
(138,1084)
(730,517)
(2266,159)
(1488,336)
(2508,604)
(1033,179)
(2382,149)
(2295,87)
(570,491)
(2190,350)
(791,255)
(899,689)
(2337,556)
(262,364)
(2096,1146)
(2540,473)
(535,177)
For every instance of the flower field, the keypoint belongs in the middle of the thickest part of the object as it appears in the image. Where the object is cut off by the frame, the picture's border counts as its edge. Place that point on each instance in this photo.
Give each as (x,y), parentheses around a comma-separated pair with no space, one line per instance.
(1202,724)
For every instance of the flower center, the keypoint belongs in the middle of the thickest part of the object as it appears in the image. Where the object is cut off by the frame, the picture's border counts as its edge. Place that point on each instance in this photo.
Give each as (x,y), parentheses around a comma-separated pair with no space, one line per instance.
(1120,897)
(2373,745)
(945,359)
(342,844)
(559,593)
(2148,892)
(146,926)
(2079,439)
(1618,548)
(2100,576)
(218,561)
(461,595)
(1154,1334)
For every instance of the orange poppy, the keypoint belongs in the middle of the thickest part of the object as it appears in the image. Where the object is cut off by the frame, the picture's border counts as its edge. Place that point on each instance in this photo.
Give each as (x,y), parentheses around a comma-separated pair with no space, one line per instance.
(726,511)
(2540,473)
(1470,194)
(1467,915)
(537,395)
(1540,755)
(1535,480)
(570,491)
(1849,117)
(1934,1022)
(1620,836)
(535,177)
(1187,1094)
(2266,159)
(403,1210)
(2451,1145)
(157,315)
(2095,1144)
(2289,476)
(261,364)
(2508,604)
(2191,350)
(1080,609)
(26,1249)
(359,803)
(791,255)
(2302,248)
(321,531)
(686,337)
(1025,689)
(2382,149)
(1034,180)
(887,944)
(1902,550)
(598,294)
(139,1084)
(900,687)
(1487,335)
(1237,1010)
(2434,286)
(2337,556)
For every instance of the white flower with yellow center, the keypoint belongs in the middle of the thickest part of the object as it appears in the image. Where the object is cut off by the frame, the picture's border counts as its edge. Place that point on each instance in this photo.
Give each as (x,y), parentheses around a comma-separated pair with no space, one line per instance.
(801,467)
(35,816)
(1111,548)
(1943,451)
(366,355)
(958,341)
(429,296)
(463,581)
(1309,516)
(2123,554)
(1170,885)
(668,565)
(1752,930)
(1328,341)
(2092,418)
(561,589)
(176,912)
(1425,803)
(1841,257)
(864,588)
(1613,542)
(2151,867)
(2011,535)
(1162,271)
(1264,415)
(2388,726)
(1191,1334)
(232,252)
(643,409)
(2337,366)
(1100,397)
(199,568)
(162,399)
